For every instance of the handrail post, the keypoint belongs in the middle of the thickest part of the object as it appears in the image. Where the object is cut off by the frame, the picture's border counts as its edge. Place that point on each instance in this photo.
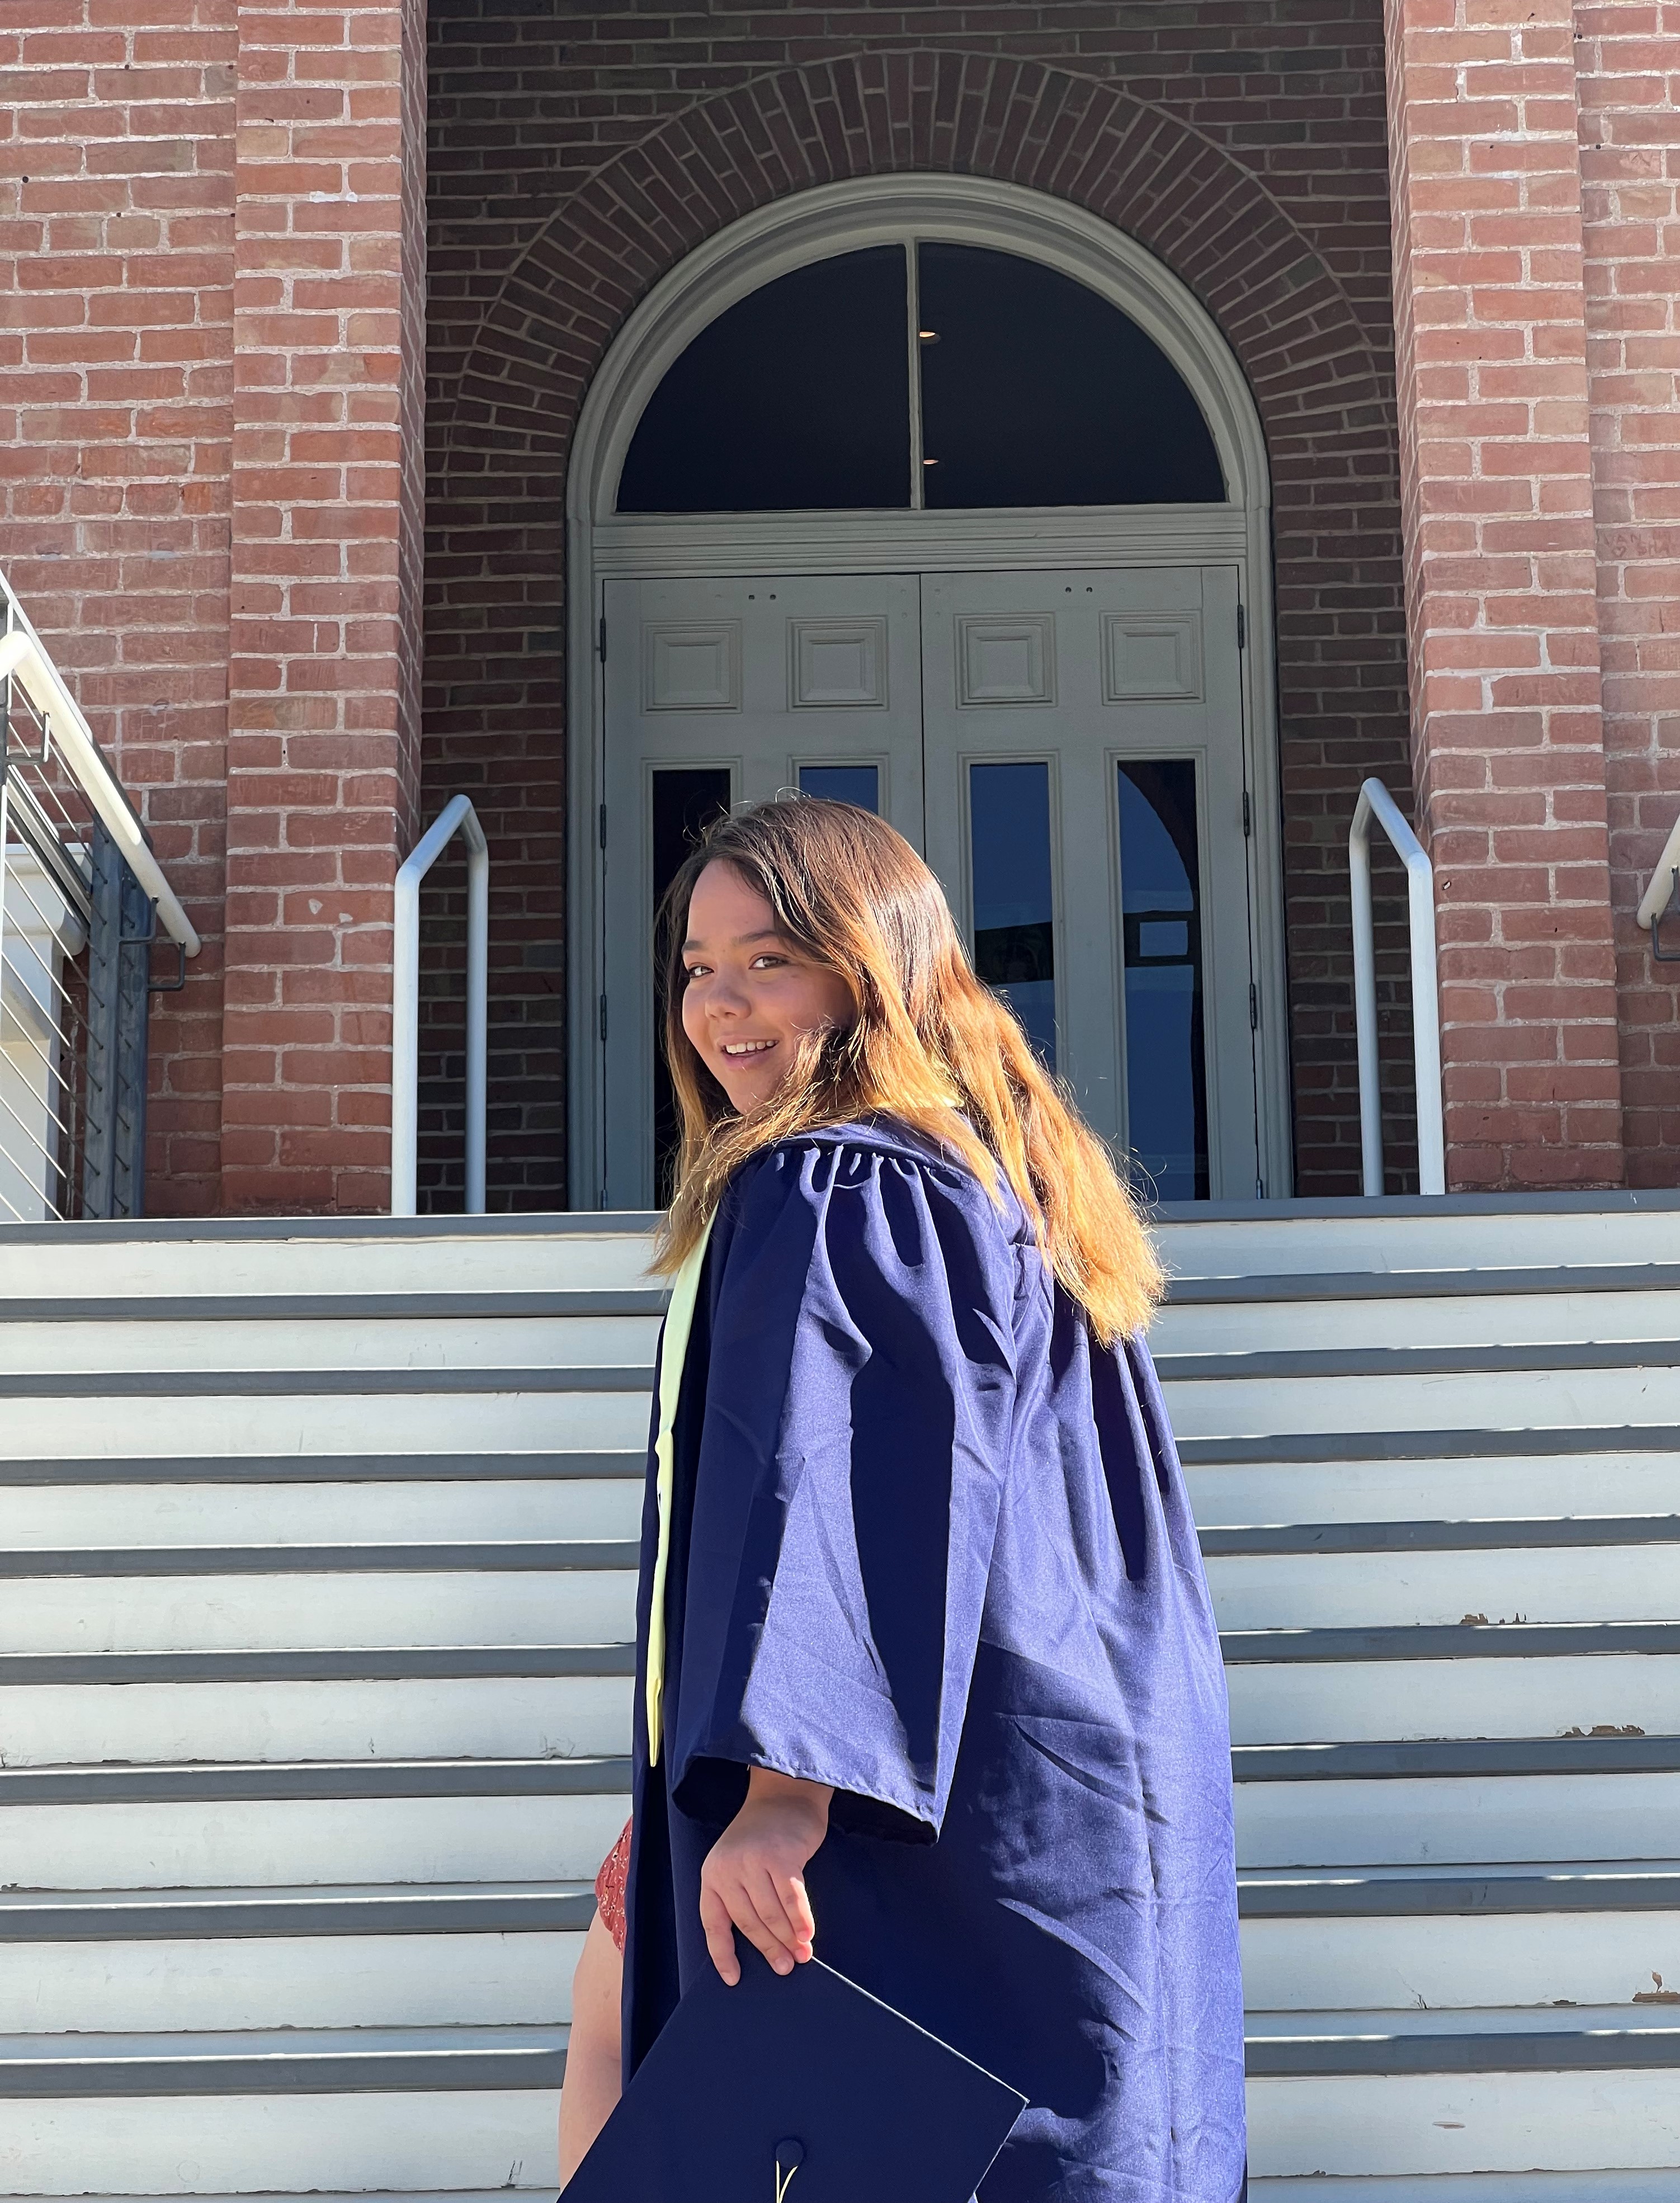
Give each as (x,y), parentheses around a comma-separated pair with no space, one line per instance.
(1661,898)
(478,1014)
(1376,802)
(1365,998)
(457,815)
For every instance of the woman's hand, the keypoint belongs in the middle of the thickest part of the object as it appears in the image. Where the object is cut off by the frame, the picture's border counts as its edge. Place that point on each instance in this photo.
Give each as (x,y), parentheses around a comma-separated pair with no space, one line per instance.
(754,1875)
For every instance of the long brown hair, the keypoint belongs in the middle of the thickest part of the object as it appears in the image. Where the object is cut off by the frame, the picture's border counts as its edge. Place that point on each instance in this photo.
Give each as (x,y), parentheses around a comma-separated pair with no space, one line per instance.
(929,1044)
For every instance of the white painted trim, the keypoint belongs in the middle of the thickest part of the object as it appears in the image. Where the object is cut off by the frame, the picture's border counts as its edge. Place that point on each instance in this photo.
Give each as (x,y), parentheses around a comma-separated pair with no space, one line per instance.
(639,546)
(810,226)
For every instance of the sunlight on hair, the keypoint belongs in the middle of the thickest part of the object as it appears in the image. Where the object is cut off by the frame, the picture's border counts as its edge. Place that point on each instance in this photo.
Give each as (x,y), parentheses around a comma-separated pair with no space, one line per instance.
(929,1045)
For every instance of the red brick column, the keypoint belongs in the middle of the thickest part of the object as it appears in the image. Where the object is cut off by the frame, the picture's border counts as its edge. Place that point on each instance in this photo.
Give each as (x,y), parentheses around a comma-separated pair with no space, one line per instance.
(323,734)
(1497,499)
(116,343)
(1628,56)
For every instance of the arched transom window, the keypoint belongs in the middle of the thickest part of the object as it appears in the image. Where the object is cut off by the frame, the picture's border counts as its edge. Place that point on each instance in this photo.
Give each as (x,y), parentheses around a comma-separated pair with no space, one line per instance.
(922,376)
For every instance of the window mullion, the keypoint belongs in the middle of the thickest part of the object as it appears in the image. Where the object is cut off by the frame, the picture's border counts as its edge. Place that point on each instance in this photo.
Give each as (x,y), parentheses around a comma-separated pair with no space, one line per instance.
(913,338)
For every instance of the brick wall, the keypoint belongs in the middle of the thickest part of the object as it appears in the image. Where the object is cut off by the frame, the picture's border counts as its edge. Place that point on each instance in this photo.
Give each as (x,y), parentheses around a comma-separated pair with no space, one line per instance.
(1628,56)
(322,780)
(209,353)
(116,349)
(576,156)
(1505,684)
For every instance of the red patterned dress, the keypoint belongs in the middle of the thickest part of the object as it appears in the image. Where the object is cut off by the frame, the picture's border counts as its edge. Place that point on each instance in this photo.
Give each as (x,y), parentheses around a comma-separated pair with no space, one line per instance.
(610,1886)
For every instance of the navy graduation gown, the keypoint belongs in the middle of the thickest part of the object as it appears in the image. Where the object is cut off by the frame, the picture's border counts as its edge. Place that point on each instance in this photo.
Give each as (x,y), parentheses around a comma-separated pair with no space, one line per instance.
(930,1545)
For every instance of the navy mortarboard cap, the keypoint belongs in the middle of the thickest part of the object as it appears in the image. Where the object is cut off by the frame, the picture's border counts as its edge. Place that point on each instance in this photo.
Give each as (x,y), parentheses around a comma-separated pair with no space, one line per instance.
(797,2088)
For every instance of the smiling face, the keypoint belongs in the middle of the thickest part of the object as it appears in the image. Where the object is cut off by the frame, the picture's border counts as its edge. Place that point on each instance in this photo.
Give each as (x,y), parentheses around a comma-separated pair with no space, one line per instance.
(751,992)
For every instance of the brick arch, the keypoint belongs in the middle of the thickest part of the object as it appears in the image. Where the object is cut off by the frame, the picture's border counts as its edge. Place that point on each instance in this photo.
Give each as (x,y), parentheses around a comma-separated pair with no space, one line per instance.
(1301,342)
(504,408)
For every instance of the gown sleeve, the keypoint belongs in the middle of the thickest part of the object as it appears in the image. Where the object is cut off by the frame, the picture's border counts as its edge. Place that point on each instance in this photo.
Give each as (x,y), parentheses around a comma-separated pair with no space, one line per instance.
(859,1400)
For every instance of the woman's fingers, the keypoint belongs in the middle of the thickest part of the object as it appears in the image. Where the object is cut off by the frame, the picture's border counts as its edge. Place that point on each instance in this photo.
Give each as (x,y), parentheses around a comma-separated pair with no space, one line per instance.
(719,1934)
(800,1918)
(753,1878)
(726,1906)
(765,1900)
(786,1908)
(772,1912)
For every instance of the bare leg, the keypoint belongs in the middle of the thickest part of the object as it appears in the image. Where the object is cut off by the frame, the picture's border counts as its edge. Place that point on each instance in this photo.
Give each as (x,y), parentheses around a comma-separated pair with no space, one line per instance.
(593,2053)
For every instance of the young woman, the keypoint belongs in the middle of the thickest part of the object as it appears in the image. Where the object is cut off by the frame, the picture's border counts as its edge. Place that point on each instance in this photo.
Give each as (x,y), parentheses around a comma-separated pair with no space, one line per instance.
(929,1678)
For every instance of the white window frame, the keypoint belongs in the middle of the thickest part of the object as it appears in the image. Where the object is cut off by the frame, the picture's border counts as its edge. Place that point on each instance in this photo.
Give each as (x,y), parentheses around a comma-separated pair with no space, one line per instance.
(815,225)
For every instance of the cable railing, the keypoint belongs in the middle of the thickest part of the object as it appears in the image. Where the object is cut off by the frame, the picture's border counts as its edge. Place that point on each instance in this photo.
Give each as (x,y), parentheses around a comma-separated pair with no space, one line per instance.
(1376,802)
(81,899)
(458,816)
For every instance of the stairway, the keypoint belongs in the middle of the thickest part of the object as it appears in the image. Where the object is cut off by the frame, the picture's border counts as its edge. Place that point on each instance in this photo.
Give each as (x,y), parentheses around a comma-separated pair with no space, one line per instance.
(314,1689)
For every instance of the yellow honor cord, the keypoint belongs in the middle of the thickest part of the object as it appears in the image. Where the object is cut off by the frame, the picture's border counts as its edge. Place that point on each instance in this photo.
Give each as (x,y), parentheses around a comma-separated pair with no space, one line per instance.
(673,1353)
(783,2180)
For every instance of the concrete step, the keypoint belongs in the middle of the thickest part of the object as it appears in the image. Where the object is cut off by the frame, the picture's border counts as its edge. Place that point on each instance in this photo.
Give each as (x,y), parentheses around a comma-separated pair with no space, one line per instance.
(1466,1232)
(1297,1805)
(1597,2186)
(1644,1392)
(1385,2095)
(1302,1686)
(1526,1938)
(1223,1395)
(293,1608)
(1472,1475)
(1390,1239)
(203,1471)
(1350,2094)
(180,1961)
(216,1598)
(215,1259)
(495,1713)
(1386,1575)
(547,1411)
(165,1358)
(560,1509)
(362,2196)
(423,1328)
(264,1826)
(104,1962)
(536,1700)
(313,1676)
(418,2108)
(1508,1307)
(1458,1801)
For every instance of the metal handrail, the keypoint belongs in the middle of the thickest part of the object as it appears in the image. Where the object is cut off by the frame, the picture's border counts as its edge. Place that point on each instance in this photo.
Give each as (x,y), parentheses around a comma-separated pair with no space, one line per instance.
(1376,802)
(1661,898)
(458,816)
(22,657)
(81,899)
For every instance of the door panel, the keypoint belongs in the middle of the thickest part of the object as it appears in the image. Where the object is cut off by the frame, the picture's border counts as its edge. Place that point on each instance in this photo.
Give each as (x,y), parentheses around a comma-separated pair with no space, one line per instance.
(1067,750)
(1121,690)
(727,691)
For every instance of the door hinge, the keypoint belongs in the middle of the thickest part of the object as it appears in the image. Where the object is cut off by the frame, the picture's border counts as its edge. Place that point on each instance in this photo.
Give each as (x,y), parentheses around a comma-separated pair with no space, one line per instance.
(1247,819)
(1253,1008)
(604,823)
(1242,631)
(604,1017)
(601,639)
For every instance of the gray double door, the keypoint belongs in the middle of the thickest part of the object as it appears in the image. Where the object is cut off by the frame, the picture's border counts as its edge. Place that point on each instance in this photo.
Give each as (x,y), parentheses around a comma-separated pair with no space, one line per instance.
(1066,751)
